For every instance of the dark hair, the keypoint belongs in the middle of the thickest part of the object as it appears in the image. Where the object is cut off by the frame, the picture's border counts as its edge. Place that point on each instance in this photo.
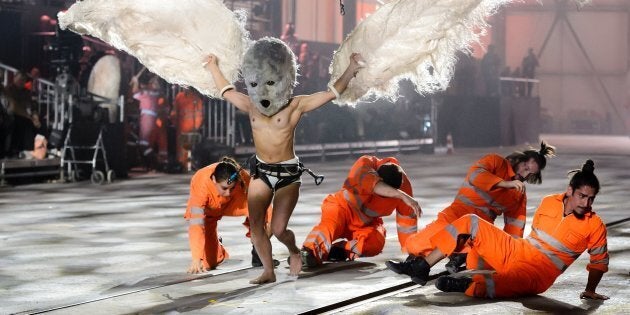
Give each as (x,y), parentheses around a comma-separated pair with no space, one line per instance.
(584,177)
(227,169)
(540,156)
(391,174)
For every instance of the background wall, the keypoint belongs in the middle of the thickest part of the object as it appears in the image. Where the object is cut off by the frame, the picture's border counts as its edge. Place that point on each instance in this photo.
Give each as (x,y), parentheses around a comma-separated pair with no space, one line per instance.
(577,95)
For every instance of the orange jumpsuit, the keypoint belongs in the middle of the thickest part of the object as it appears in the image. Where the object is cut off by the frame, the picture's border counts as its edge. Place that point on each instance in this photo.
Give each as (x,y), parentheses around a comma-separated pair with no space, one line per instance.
(188,115)
(529,266)
(153,113)
(476,196)
(205,207)
(355,212)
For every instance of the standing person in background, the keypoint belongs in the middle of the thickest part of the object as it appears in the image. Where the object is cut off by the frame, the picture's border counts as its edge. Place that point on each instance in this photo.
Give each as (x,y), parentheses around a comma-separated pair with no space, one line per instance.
(491,69)
(217,190)
(187,113)
(151,133)
(493,186)
(289,38)
(529,65)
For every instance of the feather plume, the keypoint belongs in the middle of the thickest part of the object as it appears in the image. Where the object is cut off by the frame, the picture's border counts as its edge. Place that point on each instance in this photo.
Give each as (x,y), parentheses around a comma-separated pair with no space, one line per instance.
(171,38)
(411,39)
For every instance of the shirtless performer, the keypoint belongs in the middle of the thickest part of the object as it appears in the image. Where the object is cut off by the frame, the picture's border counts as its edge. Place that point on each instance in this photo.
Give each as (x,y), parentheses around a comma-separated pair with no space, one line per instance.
(269,71)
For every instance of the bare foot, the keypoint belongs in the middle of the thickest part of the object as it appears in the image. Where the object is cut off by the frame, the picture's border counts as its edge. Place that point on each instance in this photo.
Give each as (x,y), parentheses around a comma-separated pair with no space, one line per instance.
(295,264)
(266,277)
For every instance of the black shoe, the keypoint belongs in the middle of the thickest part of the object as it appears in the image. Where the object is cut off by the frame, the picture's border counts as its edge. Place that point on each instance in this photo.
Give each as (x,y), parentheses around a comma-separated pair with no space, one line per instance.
(420,271)
(256,262)
(403,267)
(337,253)
(308,258)
(452,284)
(455,262)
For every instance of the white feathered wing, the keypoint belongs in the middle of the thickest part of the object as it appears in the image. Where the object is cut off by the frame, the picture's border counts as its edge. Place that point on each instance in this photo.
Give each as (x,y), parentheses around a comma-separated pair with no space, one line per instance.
(413,39)
(410,39)
(171,38)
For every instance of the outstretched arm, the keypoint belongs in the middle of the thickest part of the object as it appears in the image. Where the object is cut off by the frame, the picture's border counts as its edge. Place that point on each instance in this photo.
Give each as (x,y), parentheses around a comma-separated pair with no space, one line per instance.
(594,276)
(316,100)
(240,100)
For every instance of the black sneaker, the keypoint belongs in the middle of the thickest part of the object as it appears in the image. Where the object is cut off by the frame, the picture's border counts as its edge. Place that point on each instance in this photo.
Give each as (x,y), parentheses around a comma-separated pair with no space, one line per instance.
(308,258)
(453,284)
(400,267)
(420,271)
(454,265)
(337,253)
(256,262)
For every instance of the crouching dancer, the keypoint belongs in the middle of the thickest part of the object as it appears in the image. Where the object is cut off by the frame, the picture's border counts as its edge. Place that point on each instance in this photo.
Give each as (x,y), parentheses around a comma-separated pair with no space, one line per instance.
(564,227)
(353,215)
(217,190)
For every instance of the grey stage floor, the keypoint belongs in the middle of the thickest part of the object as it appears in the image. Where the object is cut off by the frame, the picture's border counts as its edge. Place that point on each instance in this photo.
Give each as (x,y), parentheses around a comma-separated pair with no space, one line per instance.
(121,248)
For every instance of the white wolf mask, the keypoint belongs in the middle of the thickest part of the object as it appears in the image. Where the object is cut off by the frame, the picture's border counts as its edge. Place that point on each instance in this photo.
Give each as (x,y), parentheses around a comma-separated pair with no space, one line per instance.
(269,71)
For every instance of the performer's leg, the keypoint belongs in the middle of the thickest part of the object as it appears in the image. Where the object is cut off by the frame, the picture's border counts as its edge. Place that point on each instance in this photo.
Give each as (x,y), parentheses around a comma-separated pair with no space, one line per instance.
(368,241)
(419,244)
(491,243)
(215,252)
(283,204)
(259,197)
(332,225)
(256,262)
(519,280)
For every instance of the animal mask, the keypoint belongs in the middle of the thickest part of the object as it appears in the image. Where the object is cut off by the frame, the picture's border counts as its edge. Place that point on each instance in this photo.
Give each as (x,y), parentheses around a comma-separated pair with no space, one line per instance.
(269,71)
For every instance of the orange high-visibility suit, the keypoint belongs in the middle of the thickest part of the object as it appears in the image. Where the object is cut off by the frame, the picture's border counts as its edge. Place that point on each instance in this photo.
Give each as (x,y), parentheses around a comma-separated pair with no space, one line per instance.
(530,265)
(188,116)
(152,132)
(205,207)
(355,212)
(477,196)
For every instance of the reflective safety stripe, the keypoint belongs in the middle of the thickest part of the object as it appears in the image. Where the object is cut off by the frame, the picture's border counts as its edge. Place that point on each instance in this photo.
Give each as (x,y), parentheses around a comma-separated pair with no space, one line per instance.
(600,262)
(357,206)
(598,250)
(474,226)
(552,256)
(452,230)
(485,210)
(196,210)
(354,249)
(409,217)
(490,286)
(406,229)
(484,195)
(318,238)
(515,222)
(371,213)
(196,221)
(557,245)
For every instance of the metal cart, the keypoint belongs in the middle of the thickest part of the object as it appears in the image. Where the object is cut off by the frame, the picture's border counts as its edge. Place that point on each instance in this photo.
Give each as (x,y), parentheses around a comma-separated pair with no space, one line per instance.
(85,140)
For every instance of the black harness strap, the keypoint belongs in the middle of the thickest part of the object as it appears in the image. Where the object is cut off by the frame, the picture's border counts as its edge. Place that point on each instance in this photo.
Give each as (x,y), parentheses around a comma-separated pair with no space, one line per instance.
(281,170)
